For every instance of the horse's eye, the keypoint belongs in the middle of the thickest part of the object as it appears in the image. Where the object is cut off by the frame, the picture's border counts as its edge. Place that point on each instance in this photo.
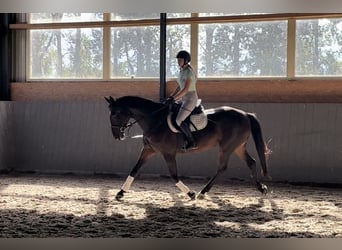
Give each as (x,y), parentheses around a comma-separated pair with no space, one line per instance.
(115,113)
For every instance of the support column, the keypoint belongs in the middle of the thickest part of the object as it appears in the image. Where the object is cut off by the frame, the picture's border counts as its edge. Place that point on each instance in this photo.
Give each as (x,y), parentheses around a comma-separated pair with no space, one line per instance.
(162,91)
(5,54)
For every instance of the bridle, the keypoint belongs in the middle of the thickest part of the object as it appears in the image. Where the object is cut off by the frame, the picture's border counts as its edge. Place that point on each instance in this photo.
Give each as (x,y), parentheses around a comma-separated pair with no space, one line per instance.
(129,125)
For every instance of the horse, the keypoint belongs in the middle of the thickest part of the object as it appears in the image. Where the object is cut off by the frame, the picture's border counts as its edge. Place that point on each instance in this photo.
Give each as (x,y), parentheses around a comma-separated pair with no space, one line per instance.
(227,127)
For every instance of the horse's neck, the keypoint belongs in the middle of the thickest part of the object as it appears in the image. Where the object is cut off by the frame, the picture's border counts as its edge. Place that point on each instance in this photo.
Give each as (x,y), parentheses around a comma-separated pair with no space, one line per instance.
(144,113)
(139,108)
(138,103)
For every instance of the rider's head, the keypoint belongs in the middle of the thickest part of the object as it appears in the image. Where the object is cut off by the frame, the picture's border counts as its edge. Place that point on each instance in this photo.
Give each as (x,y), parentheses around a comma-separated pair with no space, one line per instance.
(183,54)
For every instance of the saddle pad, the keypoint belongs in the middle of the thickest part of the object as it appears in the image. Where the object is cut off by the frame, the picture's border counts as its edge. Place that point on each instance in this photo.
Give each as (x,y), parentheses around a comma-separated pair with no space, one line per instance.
(199,120)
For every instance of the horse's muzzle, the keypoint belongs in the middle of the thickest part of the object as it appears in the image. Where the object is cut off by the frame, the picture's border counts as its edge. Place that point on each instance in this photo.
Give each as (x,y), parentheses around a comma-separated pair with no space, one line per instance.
(122,137)
(118,134)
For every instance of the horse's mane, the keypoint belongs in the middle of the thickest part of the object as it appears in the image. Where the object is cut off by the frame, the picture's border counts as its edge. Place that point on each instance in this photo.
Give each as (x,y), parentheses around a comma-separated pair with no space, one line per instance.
(139,102)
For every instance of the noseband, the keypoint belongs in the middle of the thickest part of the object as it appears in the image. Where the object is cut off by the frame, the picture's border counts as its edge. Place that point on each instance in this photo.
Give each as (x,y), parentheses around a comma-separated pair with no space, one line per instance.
(122,129)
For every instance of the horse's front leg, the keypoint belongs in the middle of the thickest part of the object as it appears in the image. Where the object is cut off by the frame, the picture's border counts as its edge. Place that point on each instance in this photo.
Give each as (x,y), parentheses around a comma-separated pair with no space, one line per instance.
(172,165)
(146,153)
(223,163)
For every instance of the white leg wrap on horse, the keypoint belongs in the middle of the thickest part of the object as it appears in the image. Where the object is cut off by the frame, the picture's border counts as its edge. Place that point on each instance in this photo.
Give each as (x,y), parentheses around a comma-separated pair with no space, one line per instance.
(127,185)
(182,187)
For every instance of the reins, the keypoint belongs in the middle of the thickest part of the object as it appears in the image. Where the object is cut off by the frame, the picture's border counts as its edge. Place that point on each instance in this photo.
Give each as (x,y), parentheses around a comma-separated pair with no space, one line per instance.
(129,125)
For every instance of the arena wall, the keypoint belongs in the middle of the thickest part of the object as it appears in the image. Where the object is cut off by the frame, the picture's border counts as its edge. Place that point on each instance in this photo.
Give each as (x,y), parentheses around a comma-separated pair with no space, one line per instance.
(75,137)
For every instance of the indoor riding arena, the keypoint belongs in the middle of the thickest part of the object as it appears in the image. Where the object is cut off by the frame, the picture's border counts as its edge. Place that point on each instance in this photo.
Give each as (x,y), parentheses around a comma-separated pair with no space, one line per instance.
(61,168)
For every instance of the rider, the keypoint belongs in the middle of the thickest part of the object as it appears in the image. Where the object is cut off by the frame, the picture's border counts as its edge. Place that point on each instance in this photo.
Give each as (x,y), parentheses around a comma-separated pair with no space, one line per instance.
(186,93)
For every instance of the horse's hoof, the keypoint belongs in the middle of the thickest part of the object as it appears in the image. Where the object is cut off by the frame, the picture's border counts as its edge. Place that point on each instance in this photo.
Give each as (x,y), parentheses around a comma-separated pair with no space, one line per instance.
(192,195)
(120,195)
(200,196)
(263,189)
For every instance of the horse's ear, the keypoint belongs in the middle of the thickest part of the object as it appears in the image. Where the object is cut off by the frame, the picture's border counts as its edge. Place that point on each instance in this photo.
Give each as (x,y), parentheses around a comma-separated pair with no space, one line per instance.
(110,99)
(107,99)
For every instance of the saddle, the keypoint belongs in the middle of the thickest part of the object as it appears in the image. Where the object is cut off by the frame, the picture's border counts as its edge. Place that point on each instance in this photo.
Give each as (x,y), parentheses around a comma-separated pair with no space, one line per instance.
(196,121)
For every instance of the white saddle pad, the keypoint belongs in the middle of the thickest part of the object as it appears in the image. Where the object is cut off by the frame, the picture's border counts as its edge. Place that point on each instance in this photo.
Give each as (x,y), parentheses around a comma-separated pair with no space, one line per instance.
(200,121)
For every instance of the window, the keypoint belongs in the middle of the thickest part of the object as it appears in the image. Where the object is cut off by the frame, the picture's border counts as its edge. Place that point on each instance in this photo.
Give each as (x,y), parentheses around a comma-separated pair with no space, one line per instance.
(178,38)
(126,45)
(135,52)
(133,16)
(66,53)
(64,17)
(319,47)
(243,49)
(79,53)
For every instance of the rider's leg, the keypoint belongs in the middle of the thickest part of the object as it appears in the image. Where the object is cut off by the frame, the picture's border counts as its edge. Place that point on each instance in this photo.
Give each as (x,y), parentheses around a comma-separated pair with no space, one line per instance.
(190,141)
(189,102)
(191,144)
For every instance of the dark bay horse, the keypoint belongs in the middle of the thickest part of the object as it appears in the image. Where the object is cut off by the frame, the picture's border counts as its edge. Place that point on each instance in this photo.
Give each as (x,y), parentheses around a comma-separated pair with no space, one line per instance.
(227,127)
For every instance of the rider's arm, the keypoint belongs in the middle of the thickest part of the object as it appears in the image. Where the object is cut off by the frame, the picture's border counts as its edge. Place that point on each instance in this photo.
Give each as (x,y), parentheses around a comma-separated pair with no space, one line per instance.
(175,91)
(184,91)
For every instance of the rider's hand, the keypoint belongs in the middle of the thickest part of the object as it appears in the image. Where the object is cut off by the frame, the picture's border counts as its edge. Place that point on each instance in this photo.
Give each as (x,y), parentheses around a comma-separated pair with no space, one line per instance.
(169,100)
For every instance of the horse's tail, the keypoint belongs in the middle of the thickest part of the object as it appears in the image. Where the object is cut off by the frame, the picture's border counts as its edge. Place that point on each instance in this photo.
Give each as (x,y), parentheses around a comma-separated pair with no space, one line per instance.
(261,146)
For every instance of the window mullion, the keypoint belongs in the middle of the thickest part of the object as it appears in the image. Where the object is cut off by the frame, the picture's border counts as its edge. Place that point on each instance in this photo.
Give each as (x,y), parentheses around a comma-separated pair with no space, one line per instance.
(291,48)
(194,44)
(106,49)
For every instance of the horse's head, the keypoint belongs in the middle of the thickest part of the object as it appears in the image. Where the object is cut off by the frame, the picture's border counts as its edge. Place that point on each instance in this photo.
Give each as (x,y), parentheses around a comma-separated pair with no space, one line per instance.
(119,117)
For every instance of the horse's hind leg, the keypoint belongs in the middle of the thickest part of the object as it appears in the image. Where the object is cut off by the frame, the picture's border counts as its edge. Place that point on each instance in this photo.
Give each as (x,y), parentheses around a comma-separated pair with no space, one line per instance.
(243,154)
(172,165)
(146,153)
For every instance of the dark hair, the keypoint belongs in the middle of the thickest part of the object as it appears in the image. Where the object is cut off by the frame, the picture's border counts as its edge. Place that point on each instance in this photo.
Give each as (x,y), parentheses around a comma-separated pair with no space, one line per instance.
(185,55)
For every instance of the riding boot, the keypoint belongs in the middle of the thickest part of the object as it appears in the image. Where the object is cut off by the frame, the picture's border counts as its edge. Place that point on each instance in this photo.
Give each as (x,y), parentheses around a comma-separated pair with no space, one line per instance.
(190,141)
